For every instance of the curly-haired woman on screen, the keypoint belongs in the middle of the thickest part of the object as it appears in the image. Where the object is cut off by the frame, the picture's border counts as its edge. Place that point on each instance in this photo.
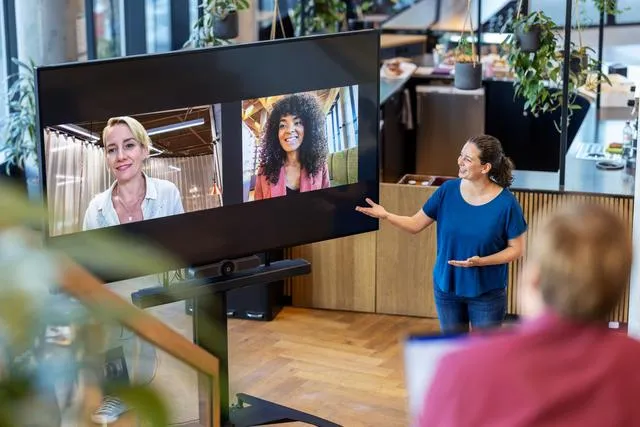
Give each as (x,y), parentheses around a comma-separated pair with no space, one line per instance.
(294,152)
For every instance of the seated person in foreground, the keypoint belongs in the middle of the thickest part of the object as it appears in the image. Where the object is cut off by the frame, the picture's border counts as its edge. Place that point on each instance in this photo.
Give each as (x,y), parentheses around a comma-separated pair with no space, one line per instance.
(562,366)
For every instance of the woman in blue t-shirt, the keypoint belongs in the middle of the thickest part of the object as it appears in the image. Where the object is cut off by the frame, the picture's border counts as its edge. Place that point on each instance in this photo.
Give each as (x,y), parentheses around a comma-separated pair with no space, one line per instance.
(481,228)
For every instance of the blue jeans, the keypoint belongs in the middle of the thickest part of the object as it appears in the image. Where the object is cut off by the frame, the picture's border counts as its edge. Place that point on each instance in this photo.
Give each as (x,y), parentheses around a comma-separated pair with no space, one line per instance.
(484,311)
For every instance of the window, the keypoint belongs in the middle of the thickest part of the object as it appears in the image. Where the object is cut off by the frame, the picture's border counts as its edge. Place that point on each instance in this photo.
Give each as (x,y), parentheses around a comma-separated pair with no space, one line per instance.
(193,12)
(342,120)
(158,25)
(631,12)
(108,34)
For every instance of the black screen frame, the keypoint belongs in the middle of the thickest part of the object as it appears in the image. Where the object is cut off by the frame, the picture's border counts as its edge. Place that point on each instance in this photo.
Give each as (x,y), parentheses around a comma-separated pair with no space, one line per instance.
(66,93)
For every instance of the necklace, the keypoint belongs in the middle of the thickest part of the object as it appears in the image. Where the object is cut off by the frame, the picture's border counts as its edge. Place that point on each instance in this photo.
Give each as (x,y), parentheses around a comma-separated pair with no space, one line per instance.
(129,210)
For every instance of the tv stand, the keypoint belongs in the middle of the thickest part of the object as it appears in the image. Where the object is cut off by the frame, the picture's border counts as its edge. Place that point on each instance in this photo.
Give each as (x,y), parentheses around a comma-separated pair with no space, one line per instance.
(210,333)
(262,412)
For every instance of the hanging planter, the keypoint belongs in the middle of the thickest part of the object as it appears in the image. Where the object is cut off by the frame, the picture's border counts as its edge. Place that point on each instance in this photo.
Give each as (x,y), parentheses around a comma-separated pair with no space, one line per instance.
(227,27)
(218,23)
(527,29)
(528,38)
(578,63)
(468,75)
(531,70)
(468,69)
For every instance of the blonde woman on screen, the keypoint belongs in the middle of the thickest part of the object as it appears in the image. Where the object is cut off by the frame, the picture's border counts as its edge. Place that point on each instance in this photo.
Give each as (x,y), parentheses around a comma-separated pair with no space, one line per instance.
(133,196)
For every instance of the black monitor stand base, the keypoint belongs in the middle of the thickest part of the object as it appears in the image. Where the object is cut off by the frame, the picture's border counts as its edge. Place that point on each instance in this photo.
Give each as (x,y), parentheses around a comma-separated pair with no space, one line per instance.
(261,412)
(210,333)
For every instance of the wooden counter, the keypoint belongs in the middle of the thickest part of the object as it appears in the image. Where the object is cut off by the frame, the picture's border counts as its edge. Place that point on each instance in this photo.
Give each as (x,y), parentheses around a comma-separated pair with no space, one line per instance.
(390,271)
(396,40)
(405,45)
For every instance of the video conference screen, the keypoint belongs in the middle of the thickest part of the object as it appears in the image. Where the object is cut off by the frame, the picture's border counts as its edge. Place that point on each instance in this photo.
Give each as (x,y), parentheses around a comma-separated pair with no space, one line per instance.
(208,155)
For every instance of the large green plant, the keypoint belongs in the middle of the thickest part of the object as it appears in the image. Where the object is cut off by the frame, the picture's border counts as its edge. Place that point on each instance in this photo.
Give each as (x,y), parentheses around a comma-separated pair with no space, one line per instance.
(28,283)
(608,6)
(203,33)
(18,127)
(534,72)
(320,16)
(538,76)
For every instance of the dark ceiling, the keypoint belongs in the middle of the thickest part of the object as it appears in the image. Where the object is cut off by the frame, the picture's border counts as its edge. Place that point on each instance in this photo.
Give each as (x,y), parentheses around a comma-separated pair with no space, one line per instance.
(191,141)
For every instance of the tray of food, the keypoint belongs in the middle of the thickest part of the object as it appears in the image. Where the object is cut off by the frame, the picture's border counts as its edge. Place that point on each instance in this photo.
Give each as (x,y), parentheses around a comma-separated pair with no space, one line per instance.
(397,68)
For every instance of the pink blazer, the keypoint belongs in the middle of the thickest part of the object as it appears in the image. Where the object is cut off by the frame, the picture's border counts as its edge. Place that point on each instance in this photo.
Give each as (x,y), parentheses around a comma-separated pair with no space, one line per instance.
(266,190)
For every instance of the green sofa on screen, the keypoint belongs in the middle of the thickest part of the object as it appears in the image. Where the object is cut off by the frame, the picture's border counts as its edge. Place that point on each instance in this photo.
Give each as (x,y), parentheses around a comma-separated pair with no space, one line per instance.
(343,167)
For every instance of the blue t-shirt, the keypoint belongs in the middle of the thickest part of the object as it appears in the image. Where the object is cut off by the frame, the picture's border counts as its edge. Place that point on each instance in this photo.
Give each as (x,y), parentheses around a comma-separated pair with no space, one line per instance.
(465,230)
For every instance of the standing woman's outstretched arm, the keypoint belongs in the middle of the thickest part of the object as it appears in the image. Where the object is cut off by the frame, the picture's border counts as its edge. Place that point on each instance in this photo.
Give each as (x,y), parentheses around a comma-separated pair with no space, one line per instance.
(412,224)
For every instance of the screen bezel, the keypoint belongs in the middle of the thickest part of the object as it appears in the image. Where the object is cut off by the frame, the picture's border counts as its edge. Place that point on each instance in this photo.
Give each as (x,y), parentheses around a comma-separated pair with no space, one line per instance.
(321,214)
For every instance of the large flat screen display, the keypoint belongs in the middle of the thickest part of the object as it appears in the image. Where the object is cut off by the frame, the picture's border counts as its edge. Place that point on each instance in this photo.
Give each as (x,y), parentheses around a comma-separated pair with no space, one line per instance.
(216,153)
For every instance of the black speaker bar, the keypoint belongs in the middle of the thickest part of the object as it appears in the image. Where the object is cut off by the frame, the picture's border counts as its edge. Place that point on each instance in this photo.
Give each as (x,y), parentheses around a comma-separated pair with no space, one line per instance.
(194,288)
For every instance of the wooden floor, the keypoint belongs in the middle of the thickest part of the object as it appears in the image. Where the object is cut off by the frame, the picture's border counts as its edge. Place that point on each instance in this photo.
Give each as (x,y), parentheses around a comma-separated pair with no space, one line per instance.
(343,366)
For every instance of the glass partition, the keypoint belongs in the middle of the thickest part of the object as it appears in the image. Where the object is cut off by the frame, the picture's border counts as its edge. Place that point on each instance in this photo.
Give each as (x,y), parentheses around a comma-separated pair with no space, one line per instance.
(87,370)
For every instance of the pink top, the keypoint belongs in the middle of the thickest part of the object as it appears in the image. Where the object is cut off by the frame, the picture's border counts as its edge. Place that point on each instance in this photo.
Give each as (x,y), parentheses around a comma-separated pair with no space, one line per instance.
(547,372)
(266,190)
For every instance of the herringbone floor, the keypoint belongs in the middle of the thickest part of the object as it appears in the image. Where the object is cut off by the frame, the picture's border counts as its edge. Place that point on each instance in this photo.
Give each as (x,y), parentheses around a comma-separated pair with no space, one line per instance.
(346,367)
(343,366)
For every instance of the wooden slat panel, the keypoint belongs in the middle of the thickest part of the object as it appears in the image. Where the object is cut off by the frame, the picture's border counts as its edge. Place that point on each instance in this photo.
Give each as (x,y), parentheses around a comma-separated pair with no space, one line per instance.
(343,274)
(537,204)
(404,283)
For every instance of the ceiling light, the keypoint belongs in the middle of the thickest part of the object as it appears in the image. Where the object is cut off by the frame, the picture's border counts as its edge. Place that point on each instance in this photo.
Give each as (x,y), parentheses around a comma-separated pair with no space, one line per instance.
(80,131)
(175,126)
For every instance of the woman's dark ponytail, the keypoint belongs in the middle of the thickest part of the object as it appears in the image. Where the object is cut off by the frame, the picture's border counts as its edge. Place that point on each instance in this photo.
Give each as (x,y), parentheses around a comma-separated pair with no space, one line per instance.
(503,174)
(491,152)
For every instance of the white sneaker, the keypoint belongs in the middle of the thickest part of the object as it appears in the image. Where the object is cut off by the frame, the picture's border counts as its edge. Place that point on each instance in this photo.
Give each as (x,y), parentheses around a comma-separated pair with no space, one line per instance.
(109,411)
(60,335)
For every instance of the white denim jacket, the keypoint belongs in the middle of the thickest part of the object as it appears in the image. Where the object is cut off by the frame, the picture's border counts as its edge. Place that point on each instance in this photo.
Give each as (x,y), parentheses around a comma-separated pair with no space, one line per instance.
(162,199)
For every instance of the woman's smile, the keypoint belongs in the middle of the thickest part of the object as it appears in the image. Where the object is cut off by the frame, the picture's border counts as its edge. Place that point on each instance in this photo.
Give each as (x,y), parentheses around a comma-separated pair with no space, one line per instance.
(290,132)
(292,140)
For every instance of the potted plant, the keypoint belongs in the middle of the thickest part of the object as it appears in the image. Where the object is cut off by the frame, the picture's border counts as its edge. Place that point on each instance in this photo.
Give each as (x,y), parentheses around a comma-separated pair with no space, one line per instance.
(467,68)
(18,127)
(527,30)
(534,72)
(581,63)
(225,14)
(320,16)
(579,59)
(217,24)
(608,6)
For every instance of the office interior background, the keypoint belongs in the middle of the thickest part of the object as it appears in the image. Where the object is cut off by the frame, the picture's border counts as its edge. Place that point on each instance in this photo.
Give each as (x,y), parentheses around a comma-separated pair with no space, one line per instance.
(350,314)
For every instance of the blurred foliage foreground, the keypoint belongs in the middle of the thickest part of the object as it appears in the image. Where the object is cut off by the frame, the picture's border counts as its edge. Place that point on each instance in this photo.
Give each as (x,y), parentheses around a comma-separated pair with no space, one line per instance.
(30,374)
